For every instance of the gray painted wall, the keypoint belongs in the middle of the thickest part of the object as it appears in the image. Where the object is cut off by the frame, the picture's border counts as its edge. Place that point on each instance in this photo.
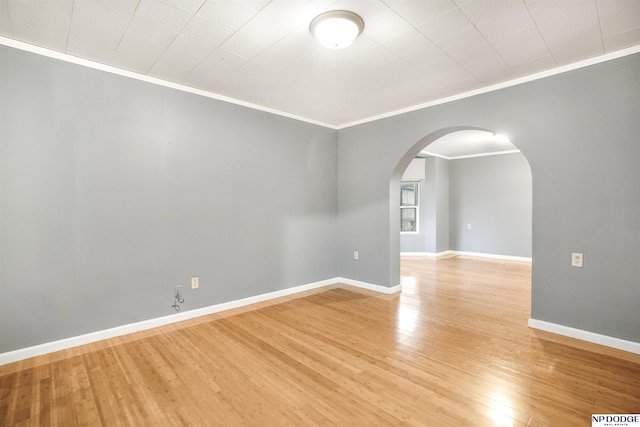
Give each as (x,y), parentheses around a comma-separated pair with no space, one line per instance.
(493,194)
(579,132)
(443,208)
(114,191)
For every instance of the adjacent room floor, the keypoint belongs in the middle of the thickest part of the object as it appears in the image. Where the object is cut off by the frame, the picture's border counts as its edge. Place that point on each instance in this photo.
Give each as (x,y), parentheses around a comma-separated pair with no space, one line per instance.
(452,349)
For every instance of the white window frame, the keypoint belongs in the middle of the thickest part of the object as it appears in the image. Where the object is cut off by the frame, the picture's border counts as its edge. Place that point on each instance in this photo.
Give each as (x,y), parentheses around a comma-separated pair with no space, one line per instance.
(416,207)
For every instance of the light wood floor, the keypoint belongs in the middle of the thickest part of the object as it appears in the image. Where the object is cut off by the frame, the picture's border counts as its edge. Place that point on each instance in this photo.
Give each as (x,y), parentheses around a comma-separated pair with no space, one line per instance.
(452,349)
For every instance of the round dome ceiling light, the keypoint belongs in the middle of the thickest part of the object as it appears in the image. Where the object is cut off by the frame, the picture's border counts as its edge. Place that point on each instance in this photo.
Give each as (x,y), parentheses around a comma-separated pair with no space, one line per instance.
(336,29)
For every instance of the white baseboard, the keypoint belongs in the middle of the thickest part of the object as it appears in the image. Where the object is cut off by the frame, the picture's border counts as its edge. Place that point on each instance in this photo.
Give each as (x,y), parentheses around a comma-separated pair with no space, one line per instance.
(369,286)
(620,344)
(494,256)
(66,343)
(417,254)
(430,254)
(476,254)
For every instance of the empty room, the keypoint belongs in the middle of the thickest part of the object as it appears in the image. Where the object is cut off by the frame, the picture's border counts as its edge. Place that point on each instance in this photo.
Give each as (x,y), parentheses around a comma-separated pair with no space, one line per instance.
(320,212)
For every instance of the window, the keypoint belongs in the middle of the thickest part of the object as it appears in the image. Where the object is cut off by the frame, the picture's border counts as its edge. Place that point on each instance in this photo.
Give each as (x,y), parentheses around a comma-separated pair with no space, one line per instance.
(409,207)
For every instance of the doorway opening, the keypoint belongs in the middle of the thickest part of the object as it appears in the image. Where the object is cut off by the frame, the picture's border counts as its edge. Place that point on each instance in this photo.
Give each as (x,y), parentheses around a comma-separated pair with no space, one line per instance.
(473,198)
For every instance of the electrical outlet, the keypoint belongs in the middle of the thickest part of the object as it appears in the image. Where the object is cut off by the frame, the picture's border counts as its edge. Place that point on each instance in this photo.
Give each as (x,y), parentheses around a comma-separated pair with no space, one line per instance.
(577,259)
(468,226)
(194,283)
(356,255)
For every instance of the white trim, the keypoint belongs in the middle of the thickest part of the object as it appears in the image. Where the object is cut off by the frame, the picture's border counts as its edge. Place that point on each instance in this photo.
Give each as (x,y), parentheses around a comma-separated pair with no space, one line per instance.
(130,74)
(110,69)
(369,286)
(429,254)
(526,79)
(476,254)
(417,254)
(495,256)
(495,153)
(63,344)
(605,340)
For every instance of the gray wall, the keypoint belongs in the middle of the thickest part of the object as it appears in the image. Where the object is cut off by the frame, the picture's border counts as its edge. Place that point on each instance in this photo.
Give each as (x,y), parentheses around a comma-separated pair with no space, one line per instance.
(114,191)
(579,132)
(493,194)
(443,208)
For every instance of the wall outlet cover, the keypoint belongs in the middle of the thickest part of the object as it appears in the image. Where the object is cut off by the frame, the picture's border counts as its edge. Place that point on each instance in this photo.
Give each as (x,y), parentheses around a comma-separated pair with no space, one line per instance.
(577,259)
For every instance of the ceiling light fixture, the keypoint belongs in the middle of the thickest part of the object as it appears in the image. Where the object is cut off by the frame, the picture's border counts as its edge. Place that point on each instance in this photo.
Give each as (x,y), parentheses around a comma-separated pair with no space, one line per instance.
(336,29)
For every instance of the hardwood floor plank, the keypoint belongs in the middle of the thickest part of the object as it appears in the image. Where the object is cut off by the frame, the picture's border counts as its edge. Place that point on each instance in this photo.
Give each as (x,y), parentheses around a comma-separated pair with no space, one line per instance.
(453,349)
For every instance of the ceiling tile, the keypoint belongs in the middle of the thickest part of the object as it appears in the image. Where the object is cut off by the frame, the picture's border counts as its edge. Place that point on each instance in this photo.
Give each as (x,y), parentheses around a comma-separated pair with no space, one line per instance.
(481,10)
(414,48)
(391,72)
(39,36)
(489,68)
(255,4)
(163,14)
(522,47)
(136,56)
(182,55)
(618,16)
(445,26)
(41,22)
(90,49)
(188,5)
(368,55)
(535,66)
(5,23)
(217,65)
(51,16)
(622,40)
(323,4)
(274,59)
(206,31)
(556,18)
(576,46)
(508,23)
(464,86)
(418,11)
(125,6)
(298,42)
(96,27)
(255,36)
(143,43)
(229,14)
(385,26)
(447,72)
(466,45)
(366,9)
(291,15)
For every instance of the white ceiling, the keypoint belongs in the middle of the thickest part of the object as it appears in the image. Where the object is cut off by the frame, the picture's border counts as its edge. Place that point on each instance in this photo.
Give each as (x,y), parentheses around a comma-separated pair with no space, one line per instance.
(469,143)
(260,51)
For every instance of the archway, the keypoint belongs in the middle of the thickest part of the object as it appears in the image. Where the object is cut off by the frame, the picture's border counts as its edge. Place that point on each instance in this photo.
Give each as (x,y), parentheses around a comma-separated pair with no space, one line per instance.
(518,165)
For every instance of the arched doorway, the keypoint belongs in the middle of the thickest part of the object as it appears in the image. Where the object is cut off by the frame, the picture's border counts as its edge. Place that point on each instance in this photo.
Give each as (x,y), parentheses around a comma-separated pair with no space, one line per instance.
(509,220)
